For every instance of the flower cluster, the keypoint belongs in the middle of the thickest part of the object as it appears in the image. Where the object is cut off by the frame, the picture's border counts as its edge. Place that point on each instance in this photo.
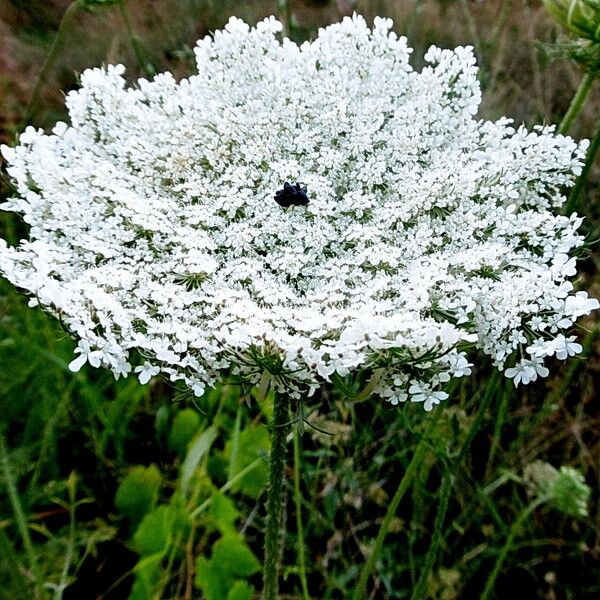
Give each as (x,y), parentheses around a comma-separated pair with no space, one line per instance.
(423,232)
(565,488)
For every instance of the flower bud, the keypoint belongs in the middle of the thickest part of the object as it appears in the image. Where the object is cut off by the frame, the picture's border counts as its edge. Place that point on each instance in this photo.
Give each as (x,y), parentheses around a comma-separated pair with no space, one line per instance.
(565,488)
(580,17)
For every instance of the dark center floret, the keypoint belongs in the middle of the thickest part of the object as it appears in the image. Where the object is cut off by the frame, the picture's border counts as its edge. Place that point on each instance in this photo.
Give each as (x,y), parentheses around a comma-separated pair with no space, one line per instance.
(291,195)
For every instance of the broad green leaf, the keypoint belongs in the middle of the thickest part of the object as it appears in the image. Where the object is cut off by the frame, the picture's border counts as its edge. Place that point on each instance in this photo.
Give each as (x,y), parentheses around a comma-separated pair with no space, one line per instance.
(160,527)
(161,423)
(199,447)
(211,580)
(138,492)
(241,590)
(254,442)
(184,428)
(224,513)
(234,556)
(147,577)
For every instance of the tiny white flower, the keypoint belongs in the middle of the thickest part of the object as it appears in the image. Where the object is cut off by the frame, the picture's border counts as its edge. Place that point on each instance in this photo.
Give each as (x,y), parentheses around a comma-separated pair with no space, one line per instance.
(146,372)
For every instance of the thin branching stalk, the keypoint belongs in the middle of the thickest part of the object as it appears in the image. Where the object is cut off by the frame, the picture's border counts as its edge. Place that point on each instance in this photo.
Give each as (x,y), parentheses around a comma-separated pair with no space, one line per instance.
(224,488)
(19,516)
(430,557)
(275,526)
(505,388)
(20,586)
(523,516)
(403,486)
(578,102)
(298,507)
(472,30)
(70,551)
(484,404)
(283,8)
(133,40)
(63,30)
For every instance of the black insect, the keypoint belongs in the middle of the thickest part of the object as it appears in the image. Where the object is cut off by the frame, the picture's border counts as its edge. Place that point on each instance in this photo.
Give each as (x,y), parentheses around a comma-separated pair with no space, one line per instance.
(291,195)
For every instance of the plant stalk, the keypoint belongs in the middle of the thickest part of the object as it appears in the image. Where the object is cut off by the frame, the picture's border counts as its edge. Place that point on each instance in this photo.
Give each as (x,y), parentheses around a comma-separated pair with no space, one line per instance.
(419,591)
(523,516)
(577,102)
(403,486)
(63,29)
(299,526)
(19,516)
(590,159)
(275,526)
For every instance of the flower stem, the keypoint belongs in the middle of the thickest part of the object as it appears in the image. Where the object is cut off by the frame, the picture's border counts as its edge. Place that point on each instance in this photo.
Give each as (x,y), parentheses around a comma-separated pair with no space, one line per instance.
(275,525)
(419,591)
(19,516)
(63,29)
(405,482)
(577,102)
(299,526)
(590,159)
(133,39)
(285,15)
(523,516)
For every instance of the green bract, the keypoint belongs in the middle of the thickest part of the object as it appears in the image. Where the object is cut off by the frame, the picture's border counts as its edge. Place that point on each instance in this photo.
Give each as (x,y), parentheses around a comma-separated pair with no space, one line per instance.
(581,17)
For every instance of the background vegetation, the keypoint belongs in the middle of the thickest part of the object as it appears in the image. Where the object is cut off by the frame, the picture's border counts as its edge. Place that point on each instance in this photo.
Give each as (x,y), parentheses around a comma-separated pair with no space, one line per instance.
(114,490)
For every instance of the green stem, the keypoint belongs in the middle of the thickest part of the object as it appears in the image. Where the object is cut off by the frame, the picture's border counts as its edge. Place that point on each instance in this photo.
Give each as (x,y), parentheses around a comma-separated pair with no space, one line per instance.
(472,31)
(133,40)
(506,389)
(63,28)
(523,516)
(64,577)
(19,589)
(275,523)
(19,516)
(483,407)
(230,483)
(299,526)
(577,102)
(419,591)
(405,482)
(283,8)
(590,159)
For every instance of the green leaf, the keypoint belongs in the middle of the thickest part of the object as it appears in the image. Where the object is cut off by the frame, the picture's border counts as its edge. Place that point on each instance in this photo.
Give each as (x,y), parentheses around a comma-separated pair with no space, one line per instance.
(241,590)
(161,422)
(213,582)
(231,559)
(234,557)
(224,513)
(159,528)
(186,425)
(147,577)
(138,492)
(199,447)
(253,443)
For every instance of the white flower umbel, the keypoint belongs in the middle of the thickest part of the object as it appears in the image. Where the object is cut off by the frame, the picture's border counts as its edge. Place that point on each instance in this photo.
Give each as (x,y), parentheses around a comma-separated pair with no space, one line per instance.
(409,231)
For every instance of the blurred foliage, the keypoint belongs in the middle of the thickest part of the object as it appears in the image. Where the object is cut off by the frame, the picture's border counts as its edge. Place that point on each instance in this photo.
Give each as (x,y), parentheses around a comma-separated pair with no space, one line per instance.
(113,490)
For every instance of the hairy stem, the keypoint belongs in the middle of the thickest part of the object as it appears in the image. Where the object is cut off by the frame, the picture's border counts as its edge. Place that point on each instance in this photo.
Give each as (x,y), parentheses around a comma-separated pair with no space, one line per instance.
(279,428)
(577,102)
(299,526)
